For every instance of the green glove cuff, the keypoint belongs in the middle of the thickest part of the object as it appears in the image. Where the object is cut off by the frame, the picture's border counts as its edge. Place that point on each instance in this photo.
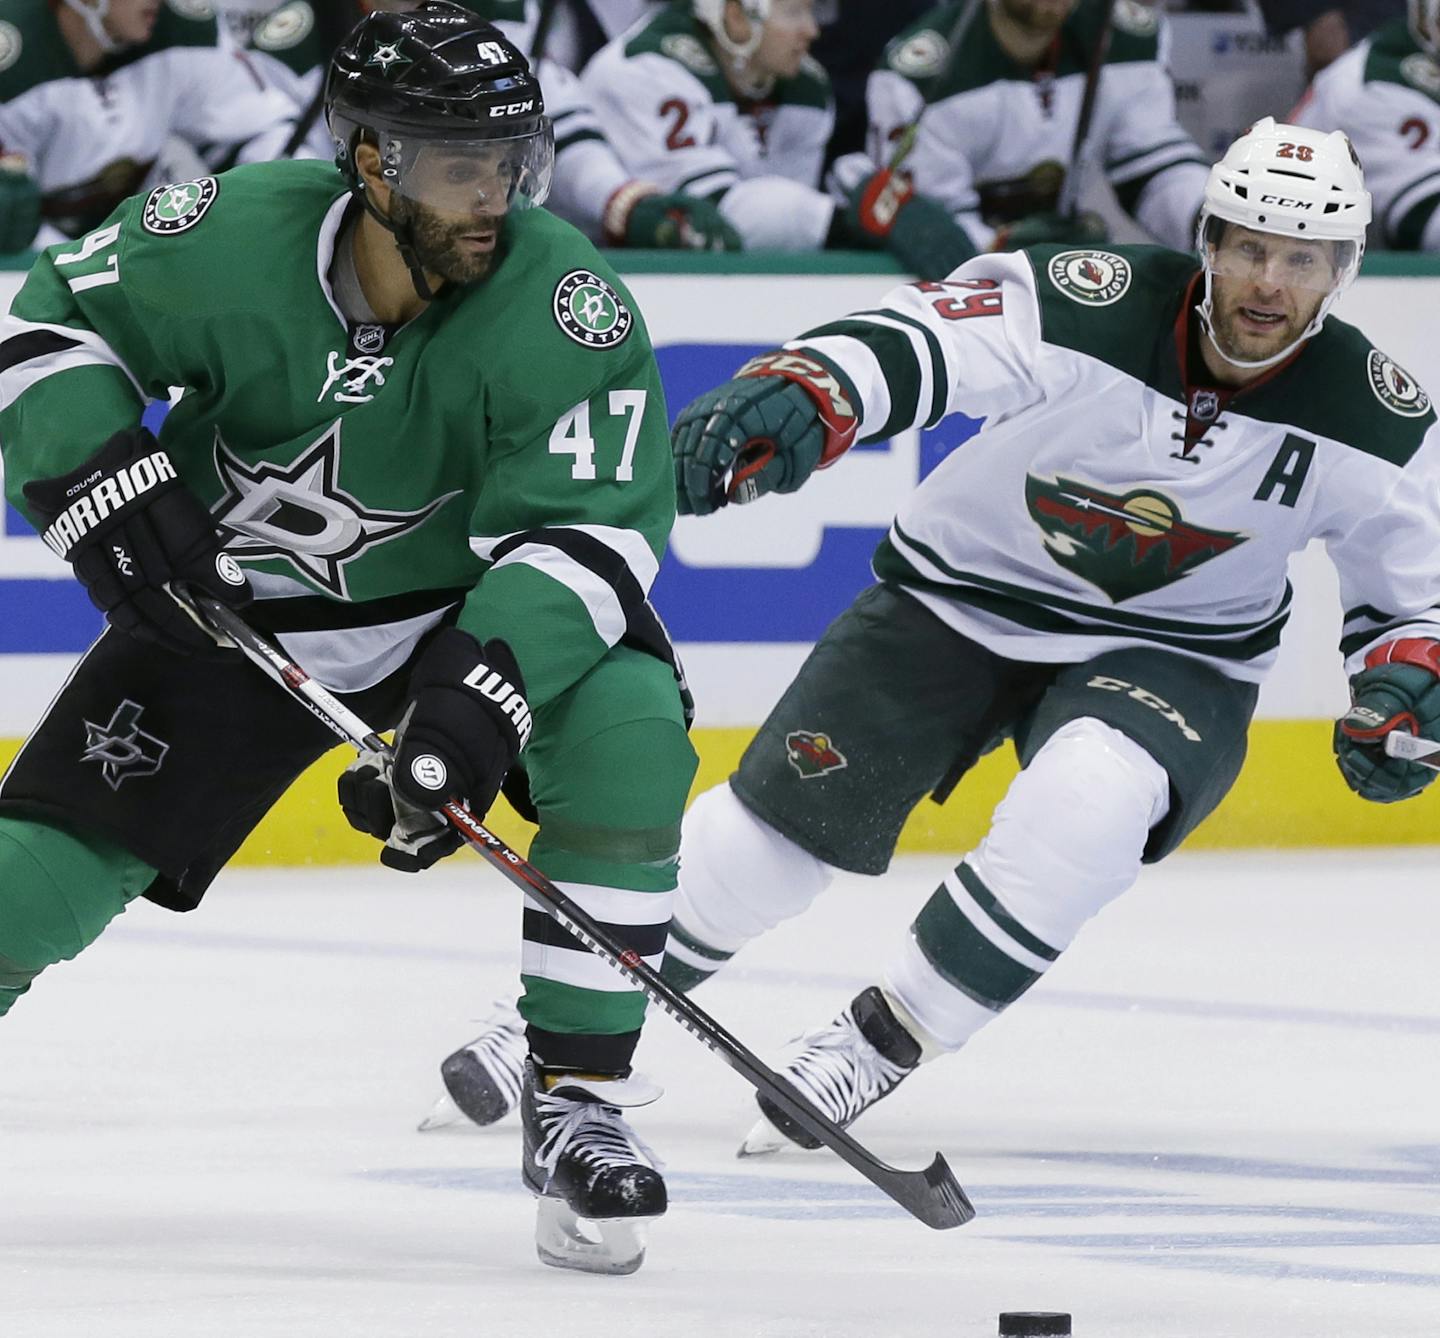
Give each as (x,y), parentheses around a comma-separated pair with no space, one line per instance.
(926,239)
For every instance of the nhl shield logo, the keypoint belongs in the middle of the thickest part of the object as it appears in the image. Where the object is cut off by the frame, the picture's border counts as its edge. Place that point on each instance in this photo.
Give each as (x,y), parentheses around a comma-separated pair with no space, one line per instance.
(813,754)
(368,338)
(1395,388)
(1094,278)
(590,311)
(1205,404)
(180,207)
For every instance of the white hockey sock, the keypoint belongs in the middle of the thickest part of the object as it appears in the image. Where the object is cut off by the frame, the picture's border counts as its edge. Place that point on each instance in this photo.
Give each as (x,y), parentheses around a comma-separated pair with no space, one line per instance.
(1066,839)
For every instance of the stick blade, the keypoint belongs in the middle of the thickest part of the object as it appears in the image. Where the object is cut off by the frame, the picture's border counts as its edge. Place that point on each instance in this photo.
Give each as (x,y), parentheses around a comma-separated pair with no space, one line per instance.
(934,1196)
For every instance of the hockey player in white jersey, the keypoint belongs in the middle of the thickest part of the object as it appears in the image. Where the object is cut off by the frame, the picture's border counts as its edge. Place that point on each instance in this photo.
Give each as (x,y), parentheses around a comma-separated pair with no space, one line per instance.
(992,92)
(1385,94)
(93,94)
(720,98)
(1099,576)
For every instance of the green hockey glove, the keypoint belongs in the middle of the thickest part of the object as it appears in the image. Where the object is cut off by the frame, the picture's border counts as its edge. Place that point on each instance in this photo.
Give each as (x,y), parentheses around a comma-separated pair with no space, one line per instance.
(680,223)
(782,417)
(883,208)
(19,205)
(1082,229)
(1399,688)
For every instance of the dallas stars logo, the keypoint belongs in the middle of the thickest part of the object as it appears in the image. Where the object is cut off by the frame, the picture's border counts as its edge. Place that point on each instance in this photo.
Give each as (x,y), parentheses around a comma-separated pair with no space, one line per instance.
(122,748)
(1127,545)
(301,513)
(387,56)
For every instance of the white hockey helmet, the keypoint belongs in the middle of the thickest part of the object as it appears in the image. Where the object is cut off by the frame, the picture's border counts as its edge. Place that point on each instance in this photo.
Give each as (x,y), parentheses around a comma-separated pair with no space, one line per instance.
(1296,182)
(712,14)
(1424,18)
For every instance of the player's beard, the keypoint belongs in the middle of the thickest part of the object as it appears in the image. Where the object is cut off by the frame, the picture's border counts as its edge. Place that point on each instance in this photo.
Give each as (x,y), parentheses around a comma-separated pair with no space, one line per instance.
(438,240)
(1237,340)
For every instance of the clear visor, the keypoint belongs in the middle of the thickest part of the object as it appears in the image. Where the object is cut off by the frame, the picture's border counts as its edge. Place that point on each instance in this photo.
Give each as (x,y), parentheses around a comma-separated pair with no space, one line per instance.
(489,176)
(1273,260)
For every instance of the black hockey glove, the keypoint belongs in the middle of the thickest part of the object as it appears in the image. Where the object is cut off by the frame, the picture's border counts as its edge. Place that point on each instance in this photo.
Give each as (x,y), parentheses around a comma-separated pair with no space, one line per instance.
(782,417)
(1399,688)
(129,527)
(465,725)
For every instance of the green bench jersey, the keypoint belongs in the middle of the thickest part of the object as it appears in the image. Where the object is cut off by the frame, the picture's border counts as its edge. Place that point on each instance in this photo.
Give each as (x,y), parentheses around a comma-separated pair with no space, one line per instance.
(506,451)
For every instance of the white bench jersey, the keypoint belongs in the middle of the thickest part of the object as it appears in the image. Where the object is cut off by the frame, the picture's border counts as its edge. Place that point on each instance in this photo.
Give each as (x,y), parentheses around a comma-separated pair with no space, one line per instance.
(1385,94)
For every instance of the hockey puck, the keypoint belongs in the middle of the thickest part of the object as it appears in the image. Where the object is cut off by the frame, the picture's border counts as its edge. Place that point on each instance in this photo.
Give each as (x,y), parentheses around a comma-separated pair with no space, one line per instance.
(1034,1324)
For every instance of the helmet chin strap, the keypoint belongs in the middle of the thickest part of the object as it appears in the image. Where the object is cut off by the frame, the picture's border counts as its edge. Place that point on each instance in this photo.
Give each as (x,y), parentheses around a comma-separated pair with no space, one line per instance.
(94,17)
(404,236)
(1206,312)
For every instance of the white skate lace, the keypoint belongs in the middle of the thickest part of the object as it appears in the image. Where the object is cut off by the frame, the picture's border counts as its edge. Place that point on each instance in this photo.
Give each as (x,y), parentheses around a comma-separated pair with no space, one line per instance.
(840,1071)
(500,1049)
(599,1135)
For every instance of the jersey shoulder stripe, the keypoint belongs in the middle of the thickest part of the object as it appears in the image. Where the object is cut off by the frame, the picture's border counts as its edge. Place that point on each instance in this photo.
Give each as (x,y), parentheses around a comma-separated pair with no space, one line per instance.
(676,36)
(921,53)
(1394,57)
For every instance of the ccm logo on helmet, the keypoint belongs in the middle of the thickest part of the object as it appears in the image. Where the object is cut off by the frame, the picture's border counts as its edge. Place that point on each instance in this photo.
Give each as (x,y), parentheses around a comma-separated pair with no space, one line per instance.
(513,108)
(492,684)
(1285,202)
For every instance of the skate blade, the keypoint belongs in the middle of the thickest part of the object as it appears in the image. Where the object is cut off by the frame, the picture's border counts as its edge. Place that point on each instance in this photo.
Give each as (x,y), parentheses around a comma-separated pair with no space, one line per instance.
(763,1140)
(443,1114)
(614,1246)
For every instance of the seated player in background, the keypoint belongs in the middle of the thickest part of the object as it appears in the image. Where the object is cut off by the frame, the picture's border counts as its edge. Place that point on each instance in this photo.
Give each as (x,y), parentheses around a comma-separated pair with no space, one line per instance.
(104,98)
(1099,575)
(1385,94)
(592,188)
(459,542)
(989,95)
(721,99)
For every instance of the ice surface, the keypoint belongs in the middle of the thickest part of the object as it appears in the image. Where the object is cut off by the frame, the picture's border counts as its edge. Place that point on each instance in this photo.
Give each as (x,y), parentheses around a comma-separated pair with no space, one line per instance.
(1215,1118)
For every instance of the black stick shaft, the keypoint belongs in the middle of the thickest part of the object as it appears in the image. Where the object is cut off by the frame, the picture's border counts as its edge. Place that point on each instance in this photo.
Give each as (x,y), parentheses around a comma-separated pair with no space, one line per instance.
(932,1195)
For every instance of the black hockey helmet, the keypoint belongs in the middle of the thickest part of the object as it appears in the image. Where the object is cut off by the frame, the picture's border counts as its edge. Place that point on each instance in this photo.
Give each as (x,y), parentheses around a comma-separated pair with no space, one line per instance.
(433,85)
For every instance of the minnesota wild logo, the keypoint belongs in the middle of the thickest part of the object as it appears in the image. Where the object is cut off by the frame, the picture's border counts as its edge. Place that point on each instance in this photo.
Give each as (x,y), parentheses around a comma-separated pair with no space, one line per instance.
(590,311)
(813,754)
(1127,545)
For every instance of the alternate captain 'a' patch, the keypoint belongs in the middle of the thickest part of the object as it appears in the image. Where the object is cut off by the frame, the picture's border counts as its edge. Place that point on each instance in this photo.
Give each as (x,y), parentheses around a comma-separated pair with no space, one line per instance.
(1093,278)
(179,207)
(590,311)
(1127,545)
(299,512)
(1395,388)
(813,754)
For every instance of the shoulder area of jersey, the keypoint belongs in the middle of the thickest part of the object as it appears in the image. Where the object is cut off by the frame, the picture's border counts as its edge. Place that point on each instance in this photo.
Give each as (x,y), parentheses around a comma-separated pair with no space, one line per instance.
(1102,276)
(1391,55)
(674,34)
(1345,361)
(1134,28)
(31,48)
(243,205)
(550,262)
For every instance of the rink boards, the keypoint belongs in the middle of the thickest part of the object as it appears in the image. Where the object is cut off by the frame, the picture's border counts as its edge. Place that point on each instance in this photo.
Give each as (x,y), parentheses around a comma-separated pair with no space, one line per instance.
(745,593)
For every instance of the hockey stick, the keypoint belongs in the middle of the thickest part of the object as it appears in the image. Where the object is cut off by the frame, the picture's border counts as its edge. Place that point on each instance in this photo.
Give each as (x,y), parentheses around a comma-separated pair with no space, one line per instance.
(932,1195)
(1069,200)
(1412,748)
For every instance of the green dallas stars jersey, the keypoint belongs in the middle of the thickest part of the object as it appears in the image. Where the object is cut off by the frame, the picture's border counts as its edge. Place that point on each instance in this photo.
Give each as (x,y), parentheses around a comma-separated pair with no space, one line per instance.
(1077,521)
(367,479)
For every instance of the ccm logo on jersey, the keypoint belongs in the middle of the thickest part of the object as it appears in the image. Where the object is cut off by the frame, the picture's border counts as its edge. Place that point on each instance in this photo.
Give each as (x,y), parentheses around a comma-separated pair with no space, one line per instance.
(106,498)
(493,685)
(512,108)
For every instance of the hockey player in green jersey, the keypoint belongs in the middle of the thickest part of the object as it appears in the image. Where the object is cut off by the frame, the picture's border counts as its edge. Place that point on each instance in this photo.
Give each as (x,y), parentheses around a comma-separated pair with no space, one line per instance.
(423,436)
(1098,576)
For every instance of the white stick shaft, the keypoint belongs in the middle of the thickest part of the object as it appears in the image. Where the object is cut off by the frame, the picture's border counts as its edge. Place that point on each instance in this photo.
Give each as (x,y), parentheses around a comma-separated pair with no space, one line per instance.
(1412,748)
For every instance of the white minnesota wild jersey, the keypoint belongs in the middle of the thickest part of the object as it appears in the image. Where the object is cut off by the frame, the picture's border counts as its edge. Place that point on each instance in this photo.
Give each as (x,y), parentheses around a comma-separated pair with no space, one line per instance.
(91,141)
(1385,94)
(1106,502)
(673,119)
(995,139)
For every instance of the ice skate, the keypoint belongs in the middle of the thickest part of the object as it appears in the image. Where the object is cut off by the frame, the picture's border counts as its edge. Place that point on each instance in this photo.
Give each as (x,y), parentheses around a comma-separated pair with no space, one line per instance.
(482,1079)
(842,1069)
(596,1183)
